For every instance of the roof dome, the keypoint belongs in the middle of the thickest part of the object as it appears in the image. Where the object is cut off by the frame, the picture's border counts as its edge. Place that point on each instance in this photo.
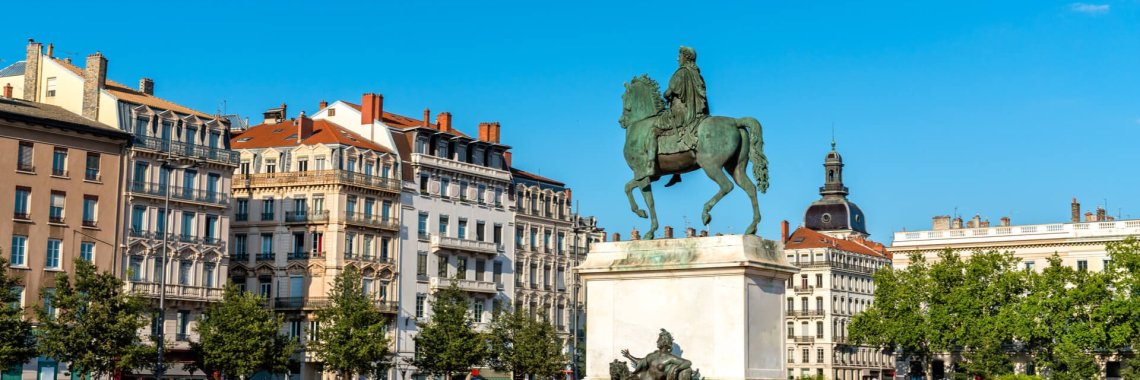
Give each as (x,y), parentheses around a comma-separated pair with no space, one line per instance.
(835,215)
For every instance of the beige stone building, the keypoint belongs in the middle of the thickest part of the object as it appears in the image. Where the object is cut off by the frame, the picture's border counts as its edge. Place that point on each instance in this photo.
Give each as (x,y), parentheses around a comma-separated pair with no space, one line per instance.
(311,198)
(837,262)
(179,156)
(62,197)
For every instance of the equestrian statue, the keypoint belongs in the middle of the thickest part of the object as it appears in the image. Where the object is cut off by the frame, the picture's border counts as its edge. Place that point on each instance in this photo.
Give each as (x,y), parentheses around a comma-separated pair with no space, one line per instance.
(675,134)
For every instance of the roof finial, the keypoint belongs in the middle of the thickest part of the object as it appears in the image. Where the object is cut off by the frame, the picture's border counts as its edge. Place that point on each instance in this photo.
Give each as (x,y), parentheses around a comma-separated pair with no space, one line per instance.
(833,135)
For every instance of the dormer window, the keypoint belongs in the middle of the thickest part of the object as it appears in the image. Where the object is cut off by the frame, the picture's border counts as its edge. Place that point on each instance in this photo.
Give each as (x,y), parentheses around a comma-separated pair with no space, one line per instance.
(271,165)
(332,111)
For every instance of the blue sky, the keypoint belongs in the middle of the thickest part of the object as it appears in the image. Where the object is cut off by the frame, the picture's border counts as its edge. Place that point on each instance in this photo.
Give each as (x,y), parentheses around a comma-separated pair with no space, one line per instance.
(996,108)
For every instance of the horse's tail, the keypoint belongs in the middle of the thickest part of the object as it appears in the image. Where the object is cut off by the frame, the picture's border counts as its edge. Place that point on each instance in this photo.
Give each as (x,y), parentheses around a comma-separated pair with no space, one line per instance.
(756,151)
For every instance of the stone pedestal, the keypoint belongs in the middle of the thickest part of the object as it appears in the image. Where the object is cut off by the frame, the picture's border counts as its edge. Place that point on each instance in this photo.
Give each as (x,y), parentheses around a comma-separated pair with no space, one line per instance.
(721,297)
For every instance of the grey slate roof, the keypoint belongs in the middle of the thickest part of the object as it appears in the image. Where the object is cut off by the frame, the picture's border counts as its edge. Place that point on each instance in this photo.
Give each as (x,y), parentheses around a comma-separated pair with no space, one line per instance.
(13,70)
(55,116)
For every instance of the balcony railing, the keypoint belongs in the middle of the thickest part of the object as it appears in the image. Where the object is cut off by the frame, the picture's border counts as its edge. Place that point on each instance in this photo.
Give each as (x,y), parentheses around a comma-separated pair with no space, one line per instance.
(371,220)
(804,289)
(265,256)
(305,255)
(175,291)
(369,257)
(306,217)
(805,313)
(241,217)
(193,150)
(180,193)
(437,283)
(457,244)
(240,257)
(317,177)
(267,216)
(313,303)
(804,339)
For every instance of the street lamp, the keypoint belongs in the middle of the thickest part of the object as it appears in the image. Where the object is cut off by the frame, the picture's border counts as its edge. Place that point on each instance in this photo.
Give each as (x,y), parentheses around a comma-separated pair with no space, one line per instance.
(159,367)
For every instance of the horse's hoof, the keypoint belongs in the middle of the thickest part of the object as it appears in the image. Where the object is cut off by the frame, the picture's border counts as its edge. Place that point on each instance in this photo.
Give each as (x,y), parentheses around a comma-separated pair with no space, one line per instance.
(706,218)
(641,213)
(750,231)
(647,236)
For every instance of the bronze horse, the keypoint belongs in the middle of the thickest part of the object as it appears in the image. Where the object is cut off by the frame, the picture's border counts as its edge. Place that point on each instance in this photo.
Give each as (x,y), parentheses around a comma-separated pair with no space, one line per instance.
(724,144)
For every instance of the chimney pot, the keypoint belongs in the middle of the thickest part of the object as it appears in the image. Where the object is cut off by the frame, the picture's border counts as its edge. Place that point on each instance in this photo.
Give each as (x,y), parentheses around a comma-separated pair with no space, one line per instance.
(304,127)
(784,231)
(51,50)
(323,105)
(146,86)
(705,233)
(668,232)
(635,234)
(617,236)
(427,117)
(1075,210)
(371,108)
(8,91)
(444,121)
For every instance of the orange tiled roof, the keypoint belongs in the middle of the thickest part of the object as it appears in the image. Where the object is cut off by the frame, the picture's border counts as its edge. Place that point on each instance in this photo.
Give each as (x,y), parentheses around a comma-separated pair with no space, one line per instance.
(128,94)
(284,134)
(404,122)
(807,238)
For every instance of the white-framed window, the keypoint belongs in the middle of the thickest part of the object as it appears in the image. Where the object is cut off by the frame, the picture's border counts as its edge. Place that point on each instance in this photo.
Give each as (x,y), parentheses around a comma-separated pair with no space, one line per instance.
(53,252)
(19,251)
(51,82)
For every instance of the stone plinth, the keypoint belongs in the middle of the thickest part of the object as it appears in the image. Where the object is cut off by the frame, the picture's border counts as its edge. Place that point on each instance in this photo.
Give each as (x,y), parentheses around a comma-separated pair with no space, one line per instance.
(721,297)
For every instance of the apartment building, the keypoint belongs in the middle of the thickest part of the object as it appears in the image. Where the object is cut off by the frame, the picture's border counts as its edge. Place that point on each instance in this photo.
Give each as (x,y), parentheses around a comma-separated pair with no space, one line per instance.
(63,198)
(176,180)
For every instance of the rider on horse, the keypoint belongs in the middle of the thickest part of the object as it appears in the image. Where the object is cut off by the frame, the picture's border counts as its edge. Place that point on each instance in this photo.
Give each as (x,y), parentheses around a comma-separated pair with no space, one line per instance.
(688,105)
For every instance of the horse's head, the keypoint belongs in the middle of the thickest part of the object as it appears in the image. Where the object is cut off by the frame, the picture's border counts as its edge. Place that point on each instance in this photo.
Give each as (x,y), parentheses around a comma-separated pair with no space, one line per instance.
(642,99)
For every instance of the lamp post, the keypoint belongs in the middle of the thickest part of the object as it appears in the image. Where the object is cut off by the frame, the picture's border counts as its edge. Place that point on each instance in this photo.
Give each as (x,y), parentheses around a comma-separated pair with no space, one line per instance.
(159,367)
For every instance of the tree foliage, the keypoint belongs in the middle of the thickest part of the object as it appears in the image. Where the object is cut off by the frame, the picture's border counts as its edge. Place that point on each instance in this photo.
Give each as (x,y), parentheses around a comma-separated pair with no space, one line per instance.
(95,327)
(986,308)
(524,345)
(448,344)
(239,337)
(353,336)
(17,344)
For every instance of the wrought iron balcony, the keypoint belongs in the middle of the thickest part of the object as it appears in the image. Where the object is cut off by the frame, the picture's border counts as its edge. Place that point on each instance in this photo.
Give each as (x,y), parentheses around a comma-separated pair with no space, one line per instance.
(306,217)
(314,303)
(241,217)
(267,216)
(179,193)
(317,177)
(240,257)
(305,255)
(221,155)
(804,289)
(363,219)
(175,291)
(265,256)
(805,313)
(804,339)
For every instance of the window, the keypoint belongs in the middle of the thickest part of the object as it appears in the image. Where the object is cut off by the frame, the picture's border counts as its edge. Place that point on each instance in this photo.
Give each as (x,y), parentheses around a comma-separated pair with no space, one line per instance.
(421,264)
(51,86)
(791,304)
(302,164)
(791,331)
(265,287)
(443,222)
(480,234)
(23,195)
(135,268)
(55,212)
(244,169)
(211,228)
(53,252)
(242,209)
(533,237)
(518,237)
(366,286)
(481,193)
(314,330)
(19,250)
(87,250)
(369,207)
(367,251)
(319,163)
(463,190)
(498,234)
(18,292)
(424,183)
(497,274)
(49,307)
(480,267)
(295,328)
(558,243)
(498,196)
(208,274)
(462,228)
(422,226)
(558,279)
(420,299)
(270,166)
(819,330)
(443,187)
(187,225)
(442,269)
(386,210)
(90,203)
(533,275)
(267,209)
(349,241)
(91,173)
(184,272)
(819,355)
(350,204)
(477,311)
(24,157)
(59,162)
(805,356)
(461,268)
(240,247)
(266,246)
(385,242)
(1082,265)
(819,281)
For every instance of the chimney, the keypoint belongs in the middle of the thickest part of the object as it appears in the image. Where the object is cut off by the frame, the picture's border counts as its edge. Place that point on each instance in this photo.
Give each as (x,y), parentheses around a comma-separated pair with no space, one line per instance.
(977,221)
(617,236)
(1089,216)
(304,127)
(941,222)
(1004,221)
(634,234)
(784,231)
(668,232)
(427,116)
(323,105)
(371,108)
(8,91)
(444,121)
(690,232)
(485,132)
(1076,207)
(494,132)
(94,78)
(146,86)
(1100,215)
(51,50)
(704,233)
(957,223)
(985,223)
(32,70)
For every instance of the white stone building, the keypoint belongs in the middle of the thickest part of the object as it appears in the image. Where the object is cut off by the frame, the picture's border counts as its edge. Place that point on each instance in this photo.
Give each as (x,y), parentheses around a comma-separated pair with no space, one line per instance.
(836,262)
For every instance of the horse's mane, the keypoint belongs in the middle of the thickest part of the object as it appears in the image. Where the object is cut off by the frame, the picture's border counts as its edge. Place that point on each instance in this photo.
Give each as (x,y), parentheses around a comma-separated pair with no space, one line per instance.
(653,88)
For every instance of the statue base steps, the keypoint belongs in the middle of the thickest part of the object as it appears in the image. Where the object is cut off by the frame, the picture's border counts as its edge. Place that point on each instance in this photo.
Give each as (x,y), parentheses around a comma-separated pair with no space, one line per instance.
(721,297)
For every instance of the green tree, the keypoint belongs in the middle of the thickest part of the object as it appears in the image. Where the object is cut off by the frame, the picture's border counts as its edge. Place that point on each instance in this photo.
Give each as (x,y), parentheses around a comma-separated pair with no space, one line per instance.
(95,324)
(239,337)
(353,335)
(447,344)
(985,304)
(17,345)
(1124,309)
(524,345)
(899,318)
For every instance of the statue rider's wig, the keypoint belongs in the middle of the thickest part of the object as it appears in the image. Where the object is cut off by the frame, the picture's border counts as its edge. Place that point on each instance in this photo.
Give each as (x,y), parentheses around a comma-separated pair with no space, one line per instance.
(689,53)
